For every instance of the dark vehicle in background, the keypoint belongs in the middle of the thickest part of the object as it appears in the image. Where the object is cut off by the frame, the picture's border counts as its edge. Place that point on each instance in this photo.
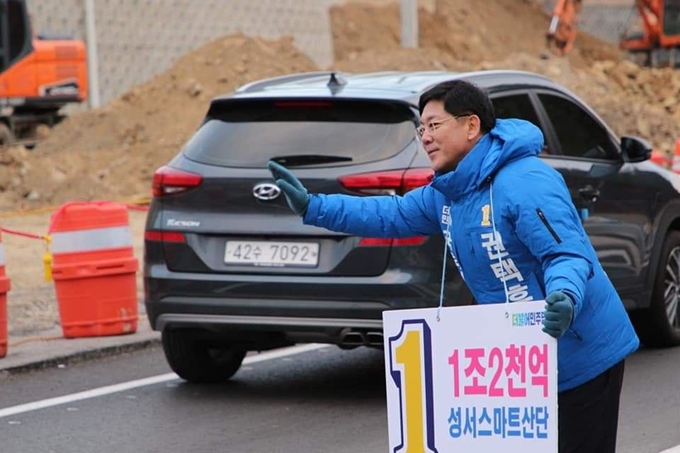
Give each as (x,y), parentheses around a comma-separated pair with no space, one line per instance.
(229,269)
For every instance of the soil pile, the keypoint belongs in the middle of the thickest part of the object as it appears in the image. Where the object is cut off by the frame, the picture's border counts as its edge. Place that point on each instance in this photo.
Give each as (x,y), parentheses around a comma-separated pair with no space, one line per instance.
(468,31)
(112,152)
(510,34)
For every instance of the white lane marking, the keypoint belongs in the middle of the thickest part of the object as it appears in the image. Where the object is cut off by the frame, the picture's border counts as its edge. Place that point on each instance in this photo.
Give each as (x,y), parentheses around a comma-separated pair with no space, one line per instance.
(109,389)
(675,449)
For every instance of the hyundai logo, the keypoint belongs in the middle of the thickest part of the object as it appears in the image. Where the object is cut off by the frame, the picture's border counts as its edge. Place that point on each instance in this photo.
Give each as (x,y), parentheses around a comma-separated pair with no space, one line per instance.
(266,191)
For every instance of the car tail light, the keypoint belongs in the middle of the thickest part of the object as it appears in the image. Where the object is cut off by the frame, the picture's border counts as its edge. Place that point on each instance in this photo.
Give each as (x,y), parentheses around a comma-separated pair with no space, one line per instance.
(375,242)
(302,104)
(415,240)
(416,177)
(393,182)
(168,181)
(164,236)
(386,242)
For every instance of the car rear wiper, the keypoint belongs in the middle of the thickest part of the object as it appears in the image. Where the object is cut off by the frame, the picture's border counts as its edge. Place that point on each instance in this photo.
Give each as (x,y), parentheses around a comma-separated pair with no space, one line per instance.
(297,160)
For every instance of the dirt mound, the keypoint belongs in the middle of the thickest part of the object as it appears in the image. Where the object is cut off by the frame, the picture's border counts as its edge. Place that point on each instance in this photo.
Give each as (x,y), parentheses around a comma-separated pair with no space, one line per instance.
(510,34)
(401,60)
(112,152)
(469,31)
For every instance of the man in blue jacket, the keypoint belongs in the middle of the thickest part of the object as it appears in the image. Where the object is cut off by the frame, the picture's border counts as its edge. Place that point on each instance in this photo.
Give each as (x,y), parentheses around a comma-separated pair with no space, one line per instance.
(515,235)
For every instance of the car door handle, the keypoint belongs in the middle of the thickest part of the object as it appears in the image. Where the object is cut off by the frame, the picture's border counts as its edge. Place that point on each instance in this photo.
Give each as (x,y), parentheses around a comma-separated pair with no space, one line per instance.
(589,193)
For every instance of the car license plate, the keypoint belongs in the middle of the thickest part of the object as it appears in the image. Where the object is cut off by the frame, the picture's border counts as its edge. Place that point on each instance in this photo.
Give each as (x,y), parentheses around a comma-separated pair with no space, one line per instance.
(266,253)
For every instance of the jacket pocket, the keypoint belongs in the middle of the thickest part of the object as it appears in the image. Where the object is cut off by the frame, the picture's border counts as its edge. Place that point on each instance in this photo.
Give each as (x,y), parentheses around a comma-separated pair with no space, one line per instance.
(480,249)
(545,221)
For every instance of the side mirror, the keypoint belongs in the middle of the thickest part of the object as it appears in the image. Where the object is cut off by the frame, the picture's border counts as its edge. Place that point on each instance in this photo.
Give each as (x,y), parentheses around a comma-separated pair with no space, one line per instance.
(635,149)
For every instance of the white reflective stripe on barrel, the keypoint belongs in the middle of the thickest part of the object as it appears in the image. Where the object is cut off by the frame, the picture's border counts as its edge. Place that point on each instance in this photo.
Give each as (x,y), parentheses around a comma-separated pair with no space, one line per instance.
(2,254)
(89,240)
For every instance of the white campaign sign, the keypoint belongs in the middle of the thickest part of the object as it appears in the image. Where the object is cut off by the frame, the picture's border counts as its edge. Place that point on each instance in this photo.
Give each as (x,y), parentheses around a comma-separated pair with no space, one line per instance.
(481,379)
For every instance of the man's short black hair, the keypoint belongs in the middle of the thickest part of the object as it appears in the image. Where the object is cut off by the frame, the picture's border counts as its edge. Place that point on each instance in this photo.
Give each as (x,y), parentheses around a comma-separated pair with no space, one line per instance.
(461,97)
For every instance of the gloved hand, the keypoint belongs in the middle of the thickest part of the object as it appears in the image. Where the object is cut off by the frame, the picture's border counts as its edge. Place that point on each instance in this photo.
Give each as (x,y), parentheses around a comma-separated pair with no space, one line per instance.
(559,310)
(296,194)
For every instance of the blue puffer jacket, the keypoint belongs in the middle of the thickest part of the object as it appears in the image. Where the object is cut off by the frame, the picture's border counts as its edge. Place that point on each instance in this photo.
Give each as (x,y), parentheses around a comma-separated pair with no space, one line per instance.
(540,243)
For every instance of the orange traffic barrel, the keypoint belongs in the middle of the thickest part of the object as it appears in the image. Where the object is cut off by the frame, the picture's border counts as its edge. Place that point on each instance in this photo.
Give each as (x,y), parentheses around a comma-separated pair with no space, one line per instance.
(4,289)
(94,269)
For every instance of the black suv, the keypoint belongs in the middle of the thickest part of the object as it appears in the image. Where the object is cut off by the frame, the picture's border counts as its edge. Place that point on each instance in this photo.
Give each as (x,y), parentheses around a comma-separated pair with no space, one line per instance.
(229,269)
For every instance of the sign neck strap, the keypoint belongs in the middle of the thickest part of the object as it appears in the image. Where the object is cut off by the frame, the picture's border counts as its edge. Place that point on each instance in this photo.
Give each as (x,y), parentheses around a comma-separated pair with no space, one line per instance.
(499,242)
(441,290)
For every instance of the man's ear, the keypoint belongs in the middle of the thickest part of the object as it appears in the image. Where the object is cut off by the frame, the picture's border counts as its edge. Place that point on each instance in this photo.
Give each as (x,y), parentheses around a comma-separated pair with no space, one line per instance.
(474,127)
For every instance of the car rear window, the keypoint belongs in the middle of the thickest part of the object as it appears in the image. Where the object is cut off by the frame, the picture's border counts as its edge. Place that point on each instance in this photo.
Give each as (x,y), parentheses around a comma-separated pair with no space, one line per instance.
(250,133)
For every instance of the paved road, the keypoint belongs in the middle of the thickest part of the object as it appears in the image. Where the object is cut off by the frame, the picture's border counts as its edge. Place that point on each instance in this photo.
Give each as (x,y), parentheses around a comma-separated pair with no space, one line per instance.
(322,400)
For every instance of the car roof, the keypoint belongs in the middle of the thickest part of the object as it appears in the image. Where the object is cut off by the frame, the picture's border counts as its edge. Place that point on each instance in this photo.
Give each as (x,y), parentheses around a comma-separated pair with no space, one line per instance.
(389,85)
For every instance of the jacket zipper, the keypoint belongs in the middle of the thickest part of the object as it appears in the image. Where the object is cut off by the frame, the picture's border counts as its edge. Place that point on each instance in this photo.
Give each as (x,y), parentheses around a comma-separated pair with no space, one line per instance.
(548,226)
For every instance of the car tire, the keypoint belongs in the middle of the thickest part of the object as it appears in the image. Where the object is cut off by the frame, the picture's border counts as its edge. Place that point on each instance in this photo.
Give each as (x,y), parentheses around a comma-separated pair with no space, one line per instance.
(198,361)
(659,325)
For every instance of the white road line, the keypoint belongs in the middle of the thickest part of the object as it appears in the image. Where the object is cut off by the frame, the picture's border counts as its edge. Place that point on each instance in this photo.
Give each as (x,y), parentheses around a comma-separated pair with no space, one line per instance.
(675,449)
(116,388)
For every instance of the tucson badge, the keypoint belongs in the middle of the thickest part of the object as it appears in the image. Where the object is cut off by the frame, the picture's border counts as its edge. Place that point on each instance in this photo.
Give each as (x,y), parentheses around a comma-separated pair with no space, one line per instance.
(266,191)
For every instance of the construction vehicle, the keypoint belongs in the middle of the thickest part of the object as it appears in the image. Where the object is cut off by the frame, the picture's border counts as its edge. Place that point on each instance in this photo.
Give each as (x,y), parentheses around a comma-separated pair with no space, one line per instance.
(655,45)
(562,30)
(38,76)
(659,42)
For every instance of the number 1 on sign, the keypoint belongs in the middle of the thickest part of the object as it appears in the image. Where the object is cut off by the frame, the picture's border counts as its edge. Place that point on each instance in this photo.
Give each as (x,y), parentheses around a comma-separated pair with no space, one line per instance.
(411,370)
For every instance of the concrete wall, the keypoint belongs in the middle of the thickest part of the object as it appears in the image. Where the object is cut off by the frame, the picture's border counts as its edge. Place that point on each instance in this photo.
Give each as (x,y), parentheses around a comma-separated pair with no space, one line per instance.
(607,21)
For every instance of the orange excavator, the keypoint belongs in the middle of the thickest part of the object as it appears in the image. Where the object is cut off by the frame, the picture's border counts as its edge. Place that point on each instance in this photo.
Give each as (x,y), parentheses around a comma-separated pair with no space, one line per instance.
(656,45)
(38,76)
(562,30)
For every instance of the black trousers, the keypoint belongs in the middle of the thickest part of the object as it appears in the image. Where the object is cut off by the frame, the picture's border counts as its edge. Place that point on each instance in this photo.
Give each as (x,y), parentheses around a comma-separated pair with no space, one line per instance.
(589,414)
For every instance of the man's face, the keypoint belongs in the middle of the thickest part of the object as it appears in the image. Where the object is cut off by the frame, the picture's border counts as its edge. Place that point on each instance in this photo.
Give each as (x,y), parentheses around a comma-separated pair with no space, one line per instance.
(447,139)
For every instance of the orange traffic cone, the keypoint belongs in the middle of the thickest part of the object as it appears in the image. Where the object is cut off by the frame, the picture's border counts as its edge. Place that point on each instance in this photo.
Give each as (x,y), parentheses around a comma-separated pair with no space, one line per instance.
(675,165)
